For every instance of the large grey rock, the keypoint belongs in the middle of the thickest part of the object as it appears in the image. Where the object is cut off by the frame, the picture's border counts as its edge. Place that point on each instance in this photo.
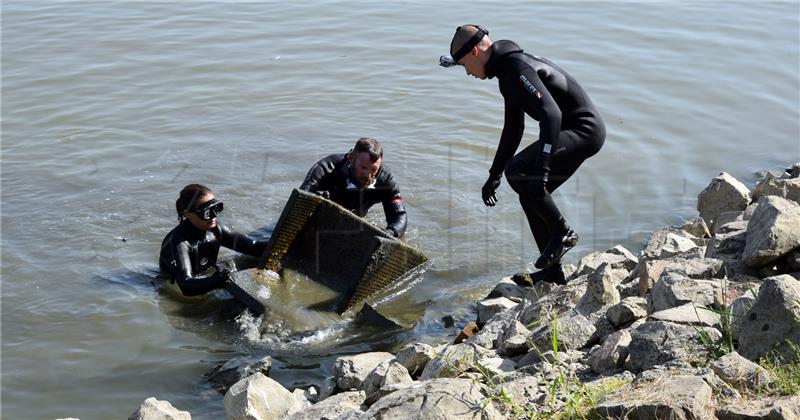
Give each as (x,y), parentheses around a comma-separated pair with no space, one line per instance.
(488,335)
(508,289)
(694,268)
(669,397)
(437,399)
(688,314)
(617,257)
(602,284)
(573,331)
(385,374)
(514,340)
(724,193)
(496,366)
(454,360)
(788,188)
(657,342)
(773,231)
(740,373)
(488,308)
(332,407)
(783,408)
(697,227)
(612,353)
(727,218)
(627,311)
(773,322)
(223,376)
(350,371)
(258,397)
(415,356)
(673,290)
(559,300)
(667,242)
(153,409)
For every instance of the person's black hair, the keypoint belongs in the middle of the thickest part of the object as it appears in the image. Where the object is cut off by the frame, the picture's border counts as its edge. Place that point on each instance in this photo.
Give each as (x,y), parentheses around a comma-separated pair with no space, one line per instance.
(368,145)
(189,197)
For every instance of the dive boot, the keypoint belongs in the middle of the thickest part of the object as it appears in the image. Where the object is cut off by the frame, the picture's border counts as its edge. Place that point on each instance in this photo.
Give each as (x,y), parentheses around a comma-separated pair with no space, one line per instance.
(553,274)
(556,249)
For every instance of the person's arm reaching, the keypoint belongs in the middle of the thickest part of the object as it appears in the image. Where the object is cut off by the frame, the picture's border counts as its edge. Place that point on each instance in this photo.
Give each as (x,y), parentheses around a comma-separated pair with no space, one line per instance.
(240,243)
(182,274)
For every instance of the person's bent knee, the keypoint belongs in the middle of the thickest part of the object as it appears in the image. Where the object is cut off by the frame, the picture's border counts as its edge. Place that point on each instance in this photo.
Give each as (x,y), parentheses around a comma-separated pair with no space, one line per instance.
(515,176)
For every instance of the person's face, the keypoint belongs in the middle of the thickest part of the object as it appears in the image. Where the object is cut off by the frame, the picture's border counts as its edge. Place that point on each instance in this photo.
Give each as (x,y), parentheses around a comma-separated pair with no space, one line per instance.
(196,220)
(364,169)
(474,64)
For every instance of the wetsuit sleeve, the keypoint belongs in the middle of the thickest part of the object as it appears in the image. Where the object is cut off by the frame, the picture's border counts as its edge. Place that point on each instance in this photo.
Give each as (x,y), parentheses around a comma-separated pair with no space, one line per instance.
(538,103)
(182,274)
(240,243)
(513,127)
(395,209)
(315,179)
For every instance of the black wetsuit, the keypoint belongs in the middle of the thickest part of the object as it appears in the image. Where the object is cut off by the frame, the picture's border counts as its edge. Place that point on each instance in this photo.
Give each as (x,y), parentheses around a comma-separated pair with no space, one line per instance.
(568,122)
(187,252)
(332,174)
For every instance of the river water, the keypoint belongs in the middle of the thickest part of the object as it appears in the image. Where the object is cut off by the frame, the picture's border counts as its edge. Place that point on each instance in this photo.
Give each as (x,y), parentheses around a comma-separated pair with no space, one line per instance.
(109,108)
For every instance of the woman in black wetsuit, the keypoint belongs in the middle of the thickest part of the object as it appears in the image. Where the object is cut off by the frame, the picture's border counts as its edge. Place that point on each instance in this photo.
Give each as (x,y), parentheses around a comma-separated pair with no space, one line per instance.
(189,251)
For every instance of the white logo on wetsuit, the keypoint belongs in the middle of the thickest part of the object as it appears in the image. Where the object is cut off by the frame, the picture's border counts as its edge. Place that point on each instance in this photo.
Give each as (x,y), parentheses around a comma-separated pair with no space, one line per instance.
(528,85)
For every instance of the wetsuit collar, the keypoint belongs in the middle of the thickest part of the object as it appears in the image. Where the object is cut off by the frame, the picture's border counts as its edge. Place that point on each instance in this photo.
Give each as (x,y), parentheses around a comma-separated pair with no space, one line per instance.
(500,49)
(191,230)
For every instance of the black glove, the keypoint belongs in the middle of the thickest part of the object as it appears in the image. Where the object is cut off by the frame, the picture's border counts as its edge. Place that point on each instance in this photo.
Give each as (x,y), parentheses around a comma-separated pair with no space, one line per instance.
(488,190)
(324,194)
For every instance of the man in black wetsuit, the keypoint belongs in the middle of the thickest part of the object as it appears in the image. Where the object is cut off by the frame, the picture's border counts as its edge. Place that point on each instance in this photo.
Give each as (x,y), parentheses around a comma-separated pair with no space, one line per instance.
(357,180)
(570,131)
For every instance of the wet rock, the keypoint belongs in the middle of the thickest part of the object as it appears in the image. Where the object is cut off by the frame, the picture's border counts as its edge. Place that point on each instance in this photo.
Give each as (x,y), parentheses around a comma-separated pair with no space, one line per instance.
(612,353)
(773,231)
(657,342)
(627,311)
(224,375)
(415,356)
(350,371)
(617,257)
(490,307)
(437,399)
(513,341)
(766,409)
(740,373)
(688,314)
(332,407)
(454,360)
(724,193)
(602,284)
(153,409)
(328,388)
(673,290)
(573,331)
(697,227)
(259,397)
(668,397)
(788,188)
(386,373)
(506,288)
(773,322)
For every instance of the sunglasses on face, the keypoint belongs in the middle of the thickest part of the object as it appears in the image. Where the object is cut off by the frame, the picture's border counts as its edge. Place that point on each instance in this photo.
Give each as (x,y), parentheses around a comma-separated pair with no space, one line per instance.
(209,210)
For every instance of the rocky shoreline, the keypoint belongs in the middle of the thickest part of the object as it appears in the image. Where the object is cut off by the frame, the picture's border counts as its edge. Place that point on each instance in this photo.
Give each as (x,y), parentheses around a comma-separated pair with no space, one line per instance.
(675,332)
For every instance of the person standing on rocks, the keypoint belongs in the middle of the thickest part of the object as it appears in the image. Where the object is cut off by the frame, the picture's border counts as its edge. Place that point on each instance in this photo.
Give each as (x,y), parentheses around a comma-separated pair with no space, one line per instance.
(570,131)
(357,180)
